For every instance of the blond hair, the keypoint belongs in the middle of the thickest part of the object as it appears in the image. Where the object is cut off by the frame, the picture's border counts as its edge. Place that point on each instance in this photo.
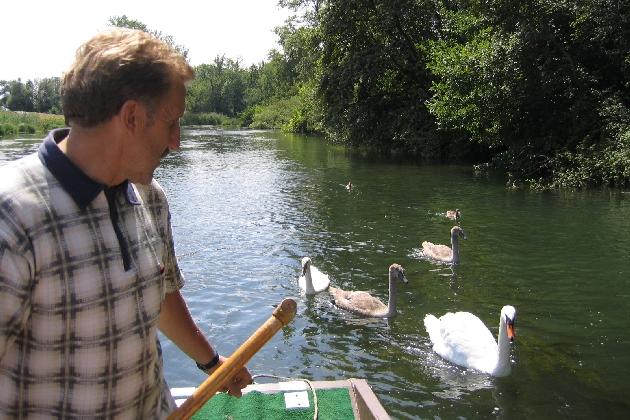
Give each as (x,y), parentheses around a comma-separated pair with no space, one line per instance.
(117,66)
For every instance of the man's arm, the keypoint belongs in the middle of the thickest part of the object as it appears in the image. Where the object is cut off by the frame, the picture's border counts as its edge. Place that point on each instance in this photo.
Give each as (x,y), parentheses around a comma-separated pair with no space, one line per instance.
(16,282)
(177,324)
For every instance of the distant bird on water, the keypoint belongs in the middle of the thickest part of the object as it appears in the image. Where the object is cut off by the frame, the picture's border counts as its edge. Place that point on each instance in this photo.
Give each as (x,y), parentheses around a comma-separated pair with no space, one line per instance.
(312,280)
(445,253)
(349,186)
(453,214)
(463,339)
(365,304)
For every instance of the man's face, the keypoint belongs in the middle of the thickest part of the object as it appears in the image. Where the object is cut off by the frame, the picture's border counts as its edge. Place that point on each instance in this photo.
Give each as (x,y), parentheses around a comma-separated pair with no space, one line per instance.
(160,135)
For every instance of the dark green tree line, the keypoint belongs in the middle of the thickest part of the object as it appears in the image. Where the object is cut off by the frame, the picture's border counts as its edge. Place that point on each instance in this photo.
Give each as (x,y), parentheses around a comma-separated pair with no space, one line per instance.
(218,87)
(38,95)
(537,88)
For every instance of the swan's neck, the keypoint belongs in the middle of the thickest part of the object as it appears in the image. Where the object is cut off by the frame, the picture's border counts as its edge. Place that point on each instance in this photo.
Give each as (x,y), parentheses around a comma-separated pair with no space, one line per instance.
(393,296)
(455,248)
(309,281)
(503,362)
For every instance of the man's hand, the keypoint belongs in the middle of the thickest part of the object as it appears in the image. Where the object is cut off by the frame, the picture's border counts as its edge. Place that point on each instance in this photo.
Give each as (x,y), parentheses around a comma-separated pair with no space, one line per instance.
(240,380)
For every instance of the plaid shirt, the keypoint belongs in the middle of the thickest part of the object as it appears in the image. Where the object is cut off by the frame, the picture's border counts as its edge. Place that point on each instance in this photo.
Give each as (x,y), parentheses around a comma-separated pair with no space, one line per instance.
(83,271)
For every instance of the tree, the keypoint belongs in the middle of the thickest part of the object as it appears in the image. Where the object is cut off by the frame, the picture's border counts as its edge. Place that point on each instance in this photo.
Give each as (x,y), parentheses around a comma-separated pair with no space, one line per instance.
(20,96)
(4,92)
(46,95)
(539,83)
(125,22)
(218,87)
(374,82)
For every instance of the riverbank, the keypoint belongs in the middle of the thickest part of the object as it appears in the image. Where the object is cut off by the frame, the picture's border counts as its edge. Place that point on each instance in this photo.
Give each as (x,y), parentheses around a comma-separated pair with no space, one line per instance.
(20,122)
(210,118)
(13,123)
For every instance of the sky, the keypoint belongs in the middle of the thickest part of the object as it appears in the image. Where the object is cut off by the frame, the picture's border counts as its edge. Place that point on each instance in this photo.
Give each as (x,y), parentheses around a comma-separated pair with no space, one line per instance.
(39,38)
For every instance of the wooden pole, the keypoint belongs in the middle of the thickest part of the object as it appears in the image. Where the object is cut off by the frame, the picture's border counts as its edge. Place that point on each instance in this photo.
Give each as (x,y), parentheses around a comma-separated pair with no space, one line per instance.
(280,317)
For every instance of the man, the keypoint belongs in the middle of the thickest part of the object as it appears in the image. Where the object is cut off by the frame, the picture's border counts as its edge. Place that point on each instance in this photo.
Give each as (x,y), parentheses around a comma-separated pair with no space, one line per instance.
(87,265)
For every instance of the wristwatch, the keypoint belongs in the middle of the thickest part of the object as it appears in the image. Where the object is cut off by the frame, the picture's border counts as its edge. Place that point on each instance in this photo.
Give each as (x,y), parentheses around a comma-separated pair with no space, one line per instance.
(212,363)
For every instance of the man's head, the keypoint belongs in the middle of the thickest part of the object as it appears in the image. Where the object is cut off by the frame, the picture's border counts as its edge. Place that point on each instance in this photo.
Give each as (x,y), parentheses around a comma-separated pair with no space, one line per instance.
(117,66)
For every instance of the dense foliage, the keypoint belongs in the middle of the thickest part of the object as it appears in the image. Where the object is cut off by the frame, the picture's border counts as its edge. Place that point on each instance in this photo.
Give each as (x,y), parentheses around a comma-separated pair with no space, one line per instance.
(374,81)
(543,84)
(539,89)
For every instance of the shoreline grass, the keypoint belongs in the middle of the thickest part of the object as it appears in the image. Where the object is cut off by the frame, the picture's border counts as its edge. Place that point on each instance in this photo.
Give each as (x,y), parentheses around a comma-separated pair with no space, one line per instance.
(13,123)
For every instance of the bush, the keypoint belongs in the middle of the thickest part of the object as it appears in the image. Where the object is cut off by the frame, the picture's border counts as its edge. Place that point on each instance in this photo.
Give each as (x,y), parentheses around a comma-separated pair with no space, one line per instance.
(276,114)
(51,125)
(247,116)
(8,129)
(26,129)
(209,118)
(29,122)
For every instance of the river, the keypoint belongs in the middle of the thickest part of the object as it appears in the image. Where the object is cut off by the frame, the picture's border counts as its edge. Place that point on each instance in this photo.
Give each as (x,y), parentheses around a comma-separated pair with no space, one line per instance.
(247,205)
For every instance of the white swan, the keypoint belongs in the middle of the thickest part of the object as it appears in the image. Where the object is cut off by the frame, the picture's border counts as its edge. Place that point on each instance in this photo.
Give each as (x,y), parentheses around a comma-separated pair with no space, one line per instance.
(312,280)
(452,214)
(365,304)
(445,253)
(462,339)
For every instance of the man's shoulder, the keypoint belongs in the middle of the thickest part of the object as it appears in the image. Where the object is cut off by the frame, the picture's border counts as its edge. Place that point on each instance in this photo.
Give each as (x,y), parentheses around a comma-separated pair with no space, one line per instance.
(23,183)
(21,174)
(151,193)
(24,163)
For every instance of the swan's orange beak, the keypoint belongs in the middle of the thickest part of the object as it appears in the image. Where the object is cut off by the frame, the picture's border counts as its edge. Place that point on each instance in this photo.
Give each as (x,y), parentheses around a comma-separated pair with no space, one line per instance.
(510,331)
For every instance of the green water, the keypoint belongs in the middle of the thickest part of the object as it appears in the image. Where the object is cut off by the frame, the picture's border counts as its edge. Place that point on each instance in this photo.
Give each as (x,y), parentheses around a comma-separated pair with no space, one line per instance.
(246,206)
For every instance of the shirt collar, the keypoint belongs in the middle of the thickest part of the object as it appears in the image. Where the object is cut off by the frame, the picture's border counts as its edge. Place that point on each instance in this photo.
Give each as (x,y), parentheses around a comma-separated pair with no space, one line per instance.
(74,181)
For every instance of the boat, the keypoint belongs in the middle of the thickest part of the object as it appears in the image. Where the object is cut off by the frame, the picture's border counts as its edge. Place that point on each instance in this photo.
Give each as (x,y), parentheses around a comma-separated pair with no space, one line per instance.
(296,395)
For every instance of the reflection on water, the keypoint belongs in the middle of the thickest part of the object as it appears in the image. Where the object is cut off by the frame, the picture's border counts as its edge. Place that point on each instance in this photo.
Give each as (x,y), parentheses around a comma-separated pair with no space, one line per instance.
(246,206)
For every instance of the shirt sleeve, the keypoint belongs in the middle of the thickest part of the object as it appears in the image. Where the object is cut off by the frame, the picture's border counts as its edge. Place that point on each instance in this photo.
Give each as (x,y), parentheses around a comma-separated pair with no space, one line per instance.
(173,277)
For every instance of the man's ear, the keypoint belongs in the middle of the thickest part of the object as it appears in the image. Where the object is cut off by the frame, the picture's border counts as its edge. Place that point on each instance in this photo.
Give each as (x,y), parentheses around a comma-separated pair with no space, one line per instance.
(132,115)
